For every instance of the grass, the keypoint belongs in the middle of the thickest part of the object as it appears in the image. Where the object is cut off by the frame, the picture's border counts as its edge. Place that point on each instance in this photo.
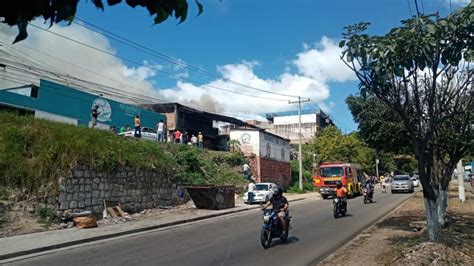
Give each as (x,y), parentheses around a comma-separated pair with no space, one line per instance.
(35,152)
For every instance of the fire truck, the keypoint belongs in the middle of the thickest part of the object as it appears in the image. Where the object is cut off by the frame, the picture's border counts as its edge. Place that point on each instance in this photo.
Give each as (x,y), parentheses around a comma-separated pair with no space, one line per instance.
(327,174)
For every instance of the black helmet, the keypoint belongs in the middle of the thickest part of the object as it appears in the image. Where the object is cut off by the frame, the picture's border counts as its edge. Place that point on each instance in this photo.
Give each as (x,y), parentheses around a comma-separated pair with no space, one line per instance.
(279,191)
(338,184)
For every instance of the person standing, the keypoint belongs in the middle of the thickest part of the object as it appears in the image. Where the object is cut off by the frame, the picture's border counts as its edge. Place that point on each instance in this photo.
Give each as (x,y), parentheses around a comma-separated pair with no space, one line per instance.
(200,140)
(246,170)
(95,114)
(177,136)
(194,140)
(160,130)
(138,129)
(250,191)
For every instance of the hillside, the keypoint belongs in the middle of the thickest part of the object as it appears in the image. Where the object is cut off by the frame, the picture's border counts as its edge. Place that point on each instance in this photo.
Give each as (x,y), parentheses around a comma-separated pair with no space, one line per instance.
(36,152)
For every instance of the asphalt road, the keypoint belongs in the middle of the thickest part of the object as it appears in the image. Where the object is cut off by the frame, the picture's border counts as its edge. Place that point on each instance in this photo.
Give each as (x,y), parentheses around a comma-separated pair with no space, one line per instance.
(234,240)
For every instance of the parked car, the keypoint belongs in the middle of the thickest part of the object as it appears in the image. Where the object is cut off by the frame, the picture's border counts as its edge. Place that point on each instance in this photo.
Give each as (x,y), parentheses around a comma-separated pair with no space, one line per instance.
(263,192)
(416,181)
(467,177)
(402,183)
(147,133)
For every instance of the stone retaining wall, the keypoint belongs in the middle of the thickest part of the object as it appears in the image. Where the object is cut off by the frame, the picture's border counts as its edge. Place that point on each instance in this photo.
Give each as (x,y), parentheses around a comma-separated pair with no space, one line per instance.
(86,189)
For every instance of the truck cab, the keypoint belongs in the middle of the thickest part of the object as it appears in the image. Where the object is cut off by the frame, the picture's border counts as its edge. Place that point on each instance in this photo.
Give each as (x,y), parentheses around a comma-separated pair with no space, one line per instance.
(328,174)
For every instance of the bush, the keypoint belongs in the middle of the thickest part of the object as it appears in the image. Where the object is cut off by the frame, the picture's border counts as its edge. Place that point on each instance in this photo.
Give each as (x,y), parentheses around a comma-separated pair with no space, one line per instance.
(46,215)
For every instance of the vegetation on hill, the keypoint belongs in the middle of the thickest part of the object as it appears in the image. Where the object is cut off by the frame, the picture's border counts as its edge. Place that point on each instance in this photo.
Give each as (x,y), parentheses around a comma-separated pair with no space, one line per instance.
(36,152)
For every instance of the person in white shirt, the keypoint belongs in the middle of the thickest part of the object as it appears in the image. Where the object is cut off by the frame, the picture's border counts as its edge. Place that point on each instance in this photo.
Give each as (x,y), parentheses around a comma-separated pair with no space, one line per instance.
(246,170)
(160,131)
(194,141)
(250,191)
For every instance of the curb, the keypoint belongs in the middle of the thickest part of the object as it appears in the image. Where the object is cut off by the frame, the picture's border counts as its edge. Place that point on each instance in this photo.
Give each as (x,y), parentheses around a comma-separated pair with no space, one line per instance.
(123,233)
(356,236)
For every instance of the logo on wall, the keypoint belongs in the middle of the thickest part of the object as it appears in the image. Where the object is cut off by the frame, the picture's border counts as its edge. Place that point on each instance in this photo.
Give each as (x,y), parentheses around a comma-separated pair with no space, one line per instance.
(245,138)
(269,149)
(283,153)
(104,108)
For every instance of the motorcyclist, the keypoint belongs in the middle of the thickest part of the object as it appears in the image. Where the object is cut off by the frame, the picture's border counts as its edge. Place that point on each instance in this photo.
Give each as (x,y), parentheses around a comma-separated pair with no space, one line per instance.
(341,194)
(280,204)
(369,184)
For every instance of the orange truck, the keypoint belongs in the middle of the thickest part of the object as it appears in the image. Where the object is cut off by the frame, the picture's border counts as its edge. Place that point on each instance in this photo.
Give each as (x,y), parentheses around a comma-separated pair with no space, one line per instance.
(327,174)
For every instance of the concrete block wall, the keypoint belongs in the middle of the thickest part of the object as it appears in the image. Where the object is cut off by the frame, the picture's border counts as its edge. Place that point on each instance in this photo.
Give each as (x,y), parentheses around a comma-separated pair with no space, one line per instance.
(86,189)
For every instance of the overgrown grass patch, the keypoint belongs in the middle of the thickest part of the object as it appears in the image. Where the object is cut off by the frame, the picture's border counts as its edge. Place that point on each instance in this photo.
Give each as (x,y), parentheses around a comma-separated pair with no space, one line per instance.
(35,152)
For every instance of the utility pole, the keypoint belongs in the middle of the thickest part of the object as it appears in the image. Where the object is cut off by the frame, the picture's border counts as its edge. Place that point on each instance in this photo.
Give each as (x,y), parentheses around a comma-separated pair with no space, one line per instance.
(460,173)
(300,159)
(377,166)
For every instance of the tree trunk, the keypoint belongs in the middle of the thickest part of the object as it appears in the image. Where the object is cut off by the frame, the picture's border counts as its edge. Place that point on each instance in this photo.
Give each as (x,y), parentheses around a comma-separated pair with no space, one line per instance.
(432,220)
(442,206)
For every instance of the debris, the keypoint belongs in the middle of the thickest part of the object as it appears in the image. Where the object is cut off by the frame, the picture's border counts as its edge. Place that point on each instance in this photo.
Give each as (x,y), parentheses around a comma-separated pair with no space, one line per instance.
(85,222)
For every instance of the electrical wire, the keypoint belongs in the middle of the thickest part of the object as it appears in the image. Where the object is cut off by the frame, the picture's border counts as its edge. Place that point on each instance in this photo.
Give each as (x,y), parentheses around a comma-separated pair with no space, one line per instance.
(167,58)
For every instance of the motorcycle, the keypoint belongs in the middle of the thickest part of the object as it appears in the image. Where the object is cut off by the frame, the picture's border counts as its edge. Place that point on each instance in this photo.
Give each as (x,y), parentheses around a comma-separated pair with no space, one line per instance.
(368,194)
(338,207)
(272,228)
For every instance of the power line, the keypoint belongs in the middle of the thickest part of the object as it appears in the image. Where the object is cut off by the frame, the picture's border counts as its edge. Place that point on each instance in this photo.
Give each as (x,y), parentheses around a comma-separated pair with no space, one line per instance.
(409,8)
(154,68)
(167,58)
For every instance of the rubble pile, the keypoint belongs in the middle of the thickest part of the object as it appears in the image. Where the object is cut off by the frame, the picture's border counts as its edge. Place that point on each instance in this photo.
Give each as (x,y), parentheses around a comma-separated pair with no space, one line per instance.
(431,253)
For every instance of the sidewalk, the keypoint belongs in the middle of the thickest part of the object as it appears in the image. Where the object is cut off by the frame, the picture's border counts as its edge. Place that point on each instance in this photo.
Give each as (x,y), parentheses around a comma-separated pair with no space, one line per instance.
(21,245)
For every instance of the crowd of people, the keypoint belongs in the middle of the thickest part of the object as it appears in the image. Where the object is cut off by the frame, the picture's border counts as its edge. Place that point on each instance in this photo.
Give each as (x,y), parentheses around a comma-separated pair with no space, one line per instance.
(162,134)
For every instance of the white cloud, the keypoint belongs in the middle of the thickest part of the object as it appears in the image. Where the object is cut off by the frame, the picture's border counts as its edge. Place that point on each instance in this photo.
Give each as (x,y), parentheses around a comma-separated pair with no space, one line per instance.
(100,67)
(323,62)
(458,2)
(307,75)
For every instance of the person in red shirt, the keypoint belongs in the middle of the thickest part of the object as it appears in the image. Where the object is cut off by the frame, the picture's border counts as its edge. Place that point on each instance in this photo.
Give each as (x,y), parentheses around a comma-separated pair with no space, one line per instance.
(177,136)
(341,194)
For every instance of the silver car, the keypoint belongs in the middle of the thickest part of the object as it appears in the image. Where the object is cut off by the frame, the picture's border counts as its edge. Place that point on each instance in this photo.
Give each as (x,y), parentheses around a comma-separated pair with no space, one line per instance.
(402,183)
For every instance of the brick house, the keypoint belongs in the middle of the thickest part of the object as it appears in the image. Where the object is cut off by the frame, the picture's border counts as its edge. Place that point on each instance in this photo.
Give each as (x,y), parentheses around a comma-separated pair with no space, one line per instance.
(268,154)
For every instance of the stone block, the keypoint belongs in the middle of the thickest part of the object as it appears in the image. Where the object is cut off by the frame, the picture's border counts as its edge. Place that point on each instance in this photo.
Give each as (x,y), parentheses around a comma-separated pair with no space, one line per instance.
(88,202)
(88,194)
(68,196)
(75,196)
(82,196)
(81,188)
(81,204)
(62,197)
(96,180)
(87,181)
(101,186)
(102,194)
(87,173)
(72,204)
(95,186)
(98,209)
(88,188)
(95,193)
(78,173)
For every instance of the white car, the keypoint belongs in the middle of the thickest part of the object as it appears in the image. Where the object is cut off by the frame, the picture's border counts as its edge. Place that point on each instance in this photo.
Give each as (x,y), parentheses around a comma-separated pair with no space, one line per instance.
(263,192)
(416,181)
(147,134)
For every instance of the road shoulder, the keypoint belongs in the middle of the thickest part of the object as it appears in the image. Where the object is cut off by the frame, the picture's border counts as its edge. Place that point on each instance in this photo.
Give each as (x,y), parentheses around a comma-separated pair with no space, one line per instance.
(399,239)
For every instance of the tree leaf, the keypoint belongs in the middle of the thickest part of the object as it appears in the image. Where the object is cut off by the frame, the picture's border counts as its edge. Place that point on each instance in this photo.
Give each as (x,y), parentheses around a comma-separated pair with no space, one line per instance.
(98,4)
(113,2)
(200,7)
(22,33)
(342,43)
(161,15)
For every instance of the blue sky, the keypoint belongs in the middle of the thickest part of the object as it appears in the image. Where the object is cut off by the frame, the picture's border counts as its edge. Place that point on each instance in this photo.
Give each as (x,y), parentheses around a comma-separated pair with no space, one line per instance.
(286,46)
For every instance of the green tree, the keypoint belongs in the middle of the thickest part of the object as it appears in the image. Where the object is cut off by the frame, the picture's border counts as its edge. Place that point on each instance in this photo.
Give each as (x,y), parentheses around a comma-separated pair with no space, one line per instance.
(421,71)
(21,12)
(331,145)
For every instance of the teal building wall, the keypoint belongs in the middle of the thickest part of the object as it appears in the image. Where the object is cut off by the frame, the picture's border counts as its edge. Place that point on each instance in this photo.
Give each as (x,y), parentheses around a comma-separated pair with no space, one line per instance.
(65,101)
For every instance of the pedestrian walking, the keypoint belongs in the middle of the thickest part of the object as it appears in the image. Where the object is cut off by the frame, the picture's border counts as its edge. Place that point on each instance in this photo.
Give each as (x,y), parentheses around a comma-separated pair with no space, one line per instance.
(160,130)
(185,138)
(138,129)
(200,140)
(94,114)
